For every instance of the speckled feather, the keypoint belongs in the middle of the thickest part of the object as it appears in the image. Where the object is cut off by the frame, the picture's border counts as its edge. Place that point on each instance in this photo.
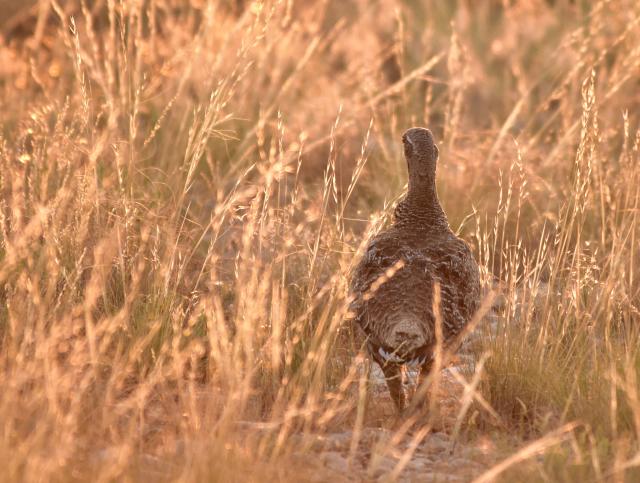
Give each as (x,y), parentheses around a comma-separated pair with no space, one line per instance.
(397,318)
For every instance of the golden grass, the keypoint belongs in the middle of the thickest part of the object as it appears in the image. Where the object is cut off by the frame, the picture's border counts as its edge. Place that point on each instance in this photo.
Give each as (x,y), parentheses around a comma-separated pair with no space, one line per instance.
(185,186)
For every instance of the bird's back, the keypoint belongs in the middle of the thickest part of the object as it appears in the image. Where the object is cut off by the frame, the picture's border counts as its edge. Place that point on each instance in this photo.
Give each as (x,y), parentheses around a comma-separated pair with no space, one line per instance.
(397,314)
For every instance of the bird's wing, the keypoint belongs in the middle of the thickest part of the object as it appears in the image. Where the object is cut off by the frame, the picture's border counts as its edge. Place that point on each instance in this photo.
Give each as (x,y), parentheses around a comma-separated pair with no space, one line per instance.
(381,254)
(459,278)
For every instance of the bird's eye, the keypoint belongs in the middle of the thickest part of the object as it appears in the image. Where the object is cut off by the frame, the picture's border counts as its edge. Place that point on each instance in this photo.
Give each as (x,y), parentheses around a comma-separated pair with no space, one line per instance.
(408,148)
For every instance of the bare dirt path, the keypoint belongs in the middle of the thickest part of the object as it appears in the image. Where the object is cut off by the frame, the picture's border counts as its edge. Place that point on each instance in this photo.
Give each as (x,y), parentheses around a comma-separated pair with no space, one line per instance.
(437,455)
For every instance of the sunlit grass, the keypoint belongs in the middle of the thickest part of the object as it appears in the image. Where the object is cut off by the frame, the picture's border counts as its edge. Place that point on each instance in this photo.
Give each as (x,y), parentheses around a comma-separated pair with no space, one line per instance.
(184,189)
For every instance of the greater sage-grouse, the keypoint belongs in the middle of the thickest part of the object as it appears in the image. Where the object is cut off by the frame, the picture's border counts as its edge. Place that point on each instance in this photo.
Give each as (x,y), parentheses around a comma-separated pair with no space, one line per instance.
(396,312)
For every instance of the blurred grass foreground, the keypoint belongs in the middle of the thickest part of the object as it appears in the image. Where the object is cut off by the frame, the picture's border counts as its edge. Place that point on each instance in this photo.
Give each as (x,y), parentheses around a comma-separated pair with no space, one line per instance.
(186,185)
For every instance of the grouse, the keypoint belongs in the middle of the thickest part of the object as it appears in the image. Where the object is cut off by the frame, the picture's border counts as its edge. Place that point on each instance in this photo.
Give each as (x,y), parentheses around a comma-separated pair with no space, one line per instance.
(395,310)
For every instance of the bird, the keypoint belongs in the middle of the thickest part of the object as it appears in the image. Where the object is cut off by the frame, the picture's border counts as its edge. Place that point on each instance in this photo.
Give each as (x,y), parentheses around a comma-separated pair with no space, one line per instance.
(393,284)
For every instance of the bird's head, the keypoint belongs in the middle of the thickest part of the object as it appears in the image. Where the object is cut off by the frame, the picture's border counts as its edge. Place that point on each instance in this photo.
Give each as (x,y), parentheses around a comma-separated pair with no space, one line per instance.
(420,151)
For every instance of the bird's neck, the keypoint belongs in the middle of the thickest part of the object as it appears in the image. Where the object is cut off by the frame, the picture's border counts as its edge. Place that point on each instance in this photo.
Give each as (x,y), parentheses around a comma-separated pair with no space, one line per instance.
(421,208)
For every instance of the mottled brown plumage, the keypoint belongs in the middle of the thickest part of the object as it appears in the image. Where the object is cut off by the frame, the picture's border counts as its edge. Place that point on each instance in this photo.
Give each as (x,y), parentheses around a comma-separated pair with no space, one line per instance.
(397,318)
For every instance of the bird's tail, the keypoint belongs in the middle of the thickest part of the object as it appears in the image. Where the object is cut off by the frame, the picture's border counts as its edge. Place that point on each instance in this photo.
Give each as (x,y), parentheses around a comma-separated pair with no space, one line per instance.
(407,334)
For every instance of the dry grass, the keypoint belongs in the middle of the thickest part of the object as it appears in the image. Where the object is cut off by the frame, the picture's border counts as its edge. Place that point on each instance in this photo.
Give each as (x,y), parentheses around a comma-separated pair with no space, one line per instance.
(185,186)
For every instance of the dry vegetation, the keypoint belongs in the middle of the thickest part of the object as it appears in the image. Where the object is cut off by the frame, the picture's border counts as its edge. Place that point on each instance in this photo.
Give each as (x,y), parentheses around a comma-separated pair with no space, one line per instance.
(185,186)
